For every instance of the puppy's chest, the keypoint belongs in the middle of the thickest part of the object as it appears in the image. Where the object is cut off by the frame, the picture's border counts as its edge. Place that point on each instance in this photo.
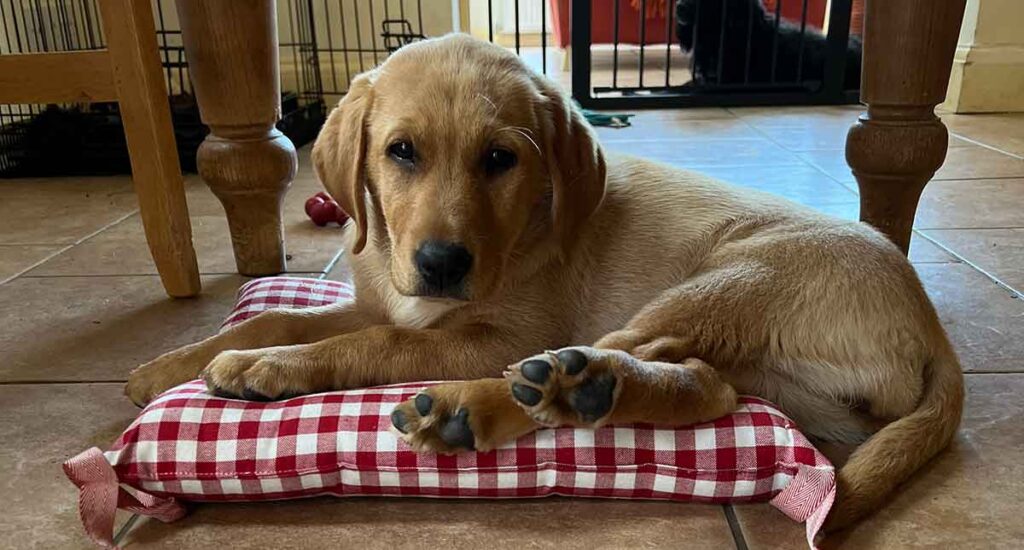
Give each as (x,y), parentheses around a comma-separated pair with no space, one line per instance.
(415,312)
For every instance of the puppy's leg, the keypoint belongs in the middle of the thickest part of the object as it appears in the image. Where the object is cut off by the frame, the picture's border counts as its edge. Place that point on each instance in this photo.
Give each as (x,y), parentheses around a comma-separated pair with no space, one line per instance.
(577,386)
(583,386)
(278,327)
(381,354)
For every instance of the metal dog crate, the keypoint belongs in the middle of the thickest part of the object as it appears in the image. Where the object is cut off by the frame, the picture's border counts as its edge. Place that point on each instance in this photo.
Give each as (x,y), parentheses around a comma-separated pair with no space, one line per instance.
(88,139)
(352,36)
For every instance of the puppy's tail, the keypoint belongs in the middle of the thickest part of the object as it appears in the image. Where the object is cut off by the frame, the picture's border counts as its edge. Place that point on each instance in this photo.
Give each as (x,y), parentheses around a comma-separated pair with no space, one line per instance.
(891,455)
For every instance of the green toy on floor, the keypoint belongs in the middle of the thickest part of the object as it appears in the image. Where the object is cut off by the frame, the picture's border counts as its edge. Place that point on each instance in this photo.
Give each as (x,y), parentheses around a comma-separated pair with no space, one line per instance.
(613,120)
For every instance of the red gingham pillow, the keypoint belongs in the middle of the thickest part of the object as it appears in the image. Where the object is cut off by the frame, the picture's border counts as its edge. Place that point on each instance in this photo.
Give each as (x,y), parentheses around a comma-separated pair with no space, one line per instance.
(190,445)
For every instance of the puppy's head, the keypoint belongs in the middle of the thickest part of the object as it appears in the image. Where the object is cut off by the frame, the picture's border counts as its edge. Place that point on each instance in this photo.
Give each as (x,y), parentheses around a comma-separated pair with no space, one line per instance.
(458,162)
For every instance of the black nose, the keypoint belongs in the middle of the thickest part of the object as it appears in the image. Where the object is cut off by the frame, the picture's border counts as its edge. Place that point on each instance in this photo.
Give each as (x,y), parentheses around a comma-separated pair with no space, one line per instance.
(443,265)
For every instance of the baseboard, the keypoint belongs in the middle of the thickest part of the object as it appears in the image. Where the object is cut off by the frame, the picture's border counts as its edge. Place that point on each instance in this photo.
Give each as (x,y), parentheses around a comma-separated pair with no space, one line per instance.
(526,39)
(986,79)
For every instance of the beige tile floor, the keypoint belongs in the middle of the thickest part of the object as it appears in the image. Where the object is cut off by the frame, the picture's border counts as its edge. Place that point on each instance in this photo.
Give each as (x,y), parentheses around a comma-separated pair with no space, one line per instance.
(81,306)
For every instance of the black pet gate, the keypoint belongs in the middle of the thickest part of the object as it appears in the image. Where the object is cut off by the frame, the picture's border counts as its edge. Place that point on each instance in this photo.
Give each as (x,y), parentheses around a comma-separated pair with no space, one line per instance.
(717,53)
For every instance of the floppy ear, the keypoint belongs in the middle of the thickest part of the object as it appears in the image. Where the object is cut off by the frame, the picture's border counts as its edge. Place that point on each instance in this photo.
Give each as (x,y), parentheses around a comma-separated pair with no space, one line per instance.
(575,161)
(339,154)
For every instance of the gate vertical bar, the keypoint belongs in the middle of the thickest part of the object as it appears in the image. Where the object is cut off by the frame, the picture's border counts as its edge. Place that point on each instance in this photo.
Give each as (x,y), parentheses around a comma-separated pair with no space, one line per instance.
(838,40)
(775,39)
(579,18)
(643,37)
(543,37)
(803,34)
(668,40)
(615,46)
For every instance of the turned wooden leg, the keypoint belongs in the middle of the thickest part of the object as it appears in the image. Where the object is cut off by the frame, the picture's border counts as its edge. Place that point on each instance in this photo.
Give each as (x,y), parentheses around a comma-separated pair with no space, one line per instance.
(896,147)
(232,53)
(156,173)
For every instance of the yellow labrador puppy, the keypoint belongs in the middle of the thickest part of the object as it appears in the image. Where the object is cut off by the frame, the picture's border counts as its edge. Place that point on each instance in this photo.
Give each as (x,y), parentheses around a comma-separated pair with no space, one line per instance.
(489,226)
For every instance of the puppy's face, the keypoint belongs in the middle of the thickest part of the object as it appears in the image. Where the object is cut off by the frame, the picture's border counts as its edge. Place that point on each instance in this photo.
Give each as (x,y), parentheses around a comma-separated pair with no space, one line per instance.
(456,146)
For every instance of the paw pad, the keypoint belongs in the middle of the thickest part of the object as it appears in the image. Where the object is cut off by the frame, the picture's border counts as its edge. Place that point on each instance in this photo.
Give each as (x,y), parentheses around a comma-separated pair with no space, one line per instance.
(572,360)
(569,386)
(253,395)
(398,420)
(456,431)
(536,371)
(423,404)
(594,397)
(526,395)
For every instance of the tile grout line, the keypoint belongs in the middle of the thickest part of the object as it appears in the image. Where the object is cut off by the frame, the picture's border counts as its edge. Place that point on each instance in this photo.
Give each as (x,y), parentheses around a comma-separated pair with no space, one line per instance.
(734,527)
(796,152)
(948,250)
(201,274)
(944,178)
(330,265)
(58,382)
(73,275)
(126,527)
(17,244)
(694,139)
(45,259)
(986,146)
(1016,293)
(977,178)
(958,135)
(998,228)
(804,161)
(68,247)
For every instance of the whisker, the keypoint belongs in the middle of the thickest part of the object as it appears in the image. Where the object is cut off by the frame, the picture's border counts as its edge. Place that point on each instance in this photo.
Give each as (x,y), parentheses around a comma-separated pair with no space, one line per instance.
(525,132)
(488,100)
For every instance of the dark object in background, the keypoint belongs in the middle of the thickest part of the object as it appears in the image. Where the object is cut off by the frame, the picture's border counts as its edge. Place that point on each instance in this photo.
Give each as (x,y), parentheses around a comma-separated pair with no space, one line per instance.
(88,140)
(65,140)
(736,36)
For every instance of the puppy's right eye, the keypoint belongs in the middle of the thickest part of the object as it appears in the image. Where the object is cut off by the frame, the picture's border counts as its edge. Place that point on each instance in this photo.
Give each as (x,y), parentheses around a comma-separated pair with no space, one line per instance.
(402,151)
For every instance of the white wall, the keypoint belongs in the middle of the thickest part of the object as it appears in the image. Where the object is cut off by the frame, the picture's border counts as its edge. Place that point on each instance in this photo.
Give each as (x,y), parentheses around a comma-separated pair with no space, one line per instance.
(988,68)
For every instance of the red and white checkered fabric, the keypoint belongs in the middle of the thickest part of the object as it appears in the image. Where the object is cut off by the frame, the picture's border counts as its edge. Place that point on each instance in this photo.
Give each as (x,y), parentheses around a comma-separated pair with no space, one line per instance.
(285,293)
(193,446)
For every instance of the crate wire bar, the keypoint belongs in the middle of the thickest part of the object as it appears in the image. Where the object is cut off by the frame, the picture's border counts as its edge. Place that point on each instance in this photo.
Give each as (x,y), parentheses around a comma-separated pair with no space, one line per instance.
(352,36)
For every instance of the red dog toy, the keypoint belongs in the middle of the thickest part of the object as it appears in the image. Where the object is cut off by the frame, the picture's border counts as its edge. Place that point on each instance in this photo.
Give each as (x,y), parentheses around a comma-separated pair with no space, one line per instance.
(322,209)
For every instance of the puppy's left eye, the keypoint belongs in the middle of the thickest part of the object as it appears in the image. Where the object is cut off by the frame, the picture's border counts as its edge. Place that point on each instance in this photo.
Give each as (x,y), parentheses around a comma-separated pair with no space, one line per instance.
(402,152)
(499,160)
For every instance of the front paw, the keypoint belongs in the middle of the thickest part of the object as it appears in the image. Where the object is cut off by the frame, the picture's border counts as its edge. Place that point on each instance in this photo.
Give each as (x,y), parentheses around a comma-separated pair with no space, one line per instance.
(163,373)
(260,375)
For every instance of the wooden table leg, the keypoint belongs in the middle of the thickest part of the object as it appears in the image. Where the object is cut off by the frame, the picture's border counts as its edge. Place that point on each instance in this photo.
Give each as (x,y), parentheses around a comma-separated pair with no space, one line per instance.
(896,147)
(156,173)
(232,52)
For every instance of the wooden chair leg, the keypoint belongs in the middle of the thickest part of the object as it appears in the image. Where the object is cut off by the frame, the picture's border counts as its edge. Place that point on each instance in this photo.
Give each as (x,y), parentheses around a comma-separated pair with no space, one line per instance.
(233,60)
(896,147)
(156,173)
